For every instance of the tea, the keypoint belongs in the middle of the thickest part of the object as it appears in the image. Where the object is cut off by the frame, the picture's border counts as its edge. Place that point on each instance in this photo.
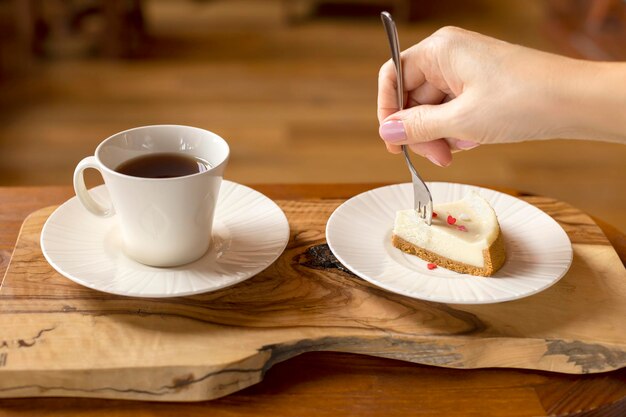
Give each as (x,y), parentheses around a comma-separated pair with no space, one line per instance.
(163,165)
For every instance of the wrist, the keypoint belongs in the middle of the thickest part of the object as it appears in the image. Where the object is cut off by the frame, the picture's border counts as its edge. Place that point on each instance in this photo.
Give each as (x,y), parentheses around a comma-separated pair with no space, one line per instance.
(590,101)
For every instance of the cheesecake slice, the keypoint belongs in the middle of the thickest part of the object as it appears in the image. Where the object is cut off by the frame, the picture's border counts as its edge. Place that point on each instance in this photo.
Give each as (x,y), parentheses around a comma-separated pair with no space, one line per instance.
(464,236)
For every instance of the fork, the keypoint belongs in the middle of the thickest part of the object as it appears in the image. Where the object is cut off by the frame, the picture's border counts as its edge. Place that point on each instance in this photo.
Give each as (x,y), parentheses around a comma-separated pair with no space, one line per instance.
(422,200)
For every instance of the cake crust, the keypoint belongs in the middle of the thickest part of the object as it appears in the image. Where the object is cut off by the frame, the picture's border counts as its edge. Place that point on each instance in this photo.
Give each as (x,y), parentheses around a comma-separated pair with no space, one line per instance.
(494,257)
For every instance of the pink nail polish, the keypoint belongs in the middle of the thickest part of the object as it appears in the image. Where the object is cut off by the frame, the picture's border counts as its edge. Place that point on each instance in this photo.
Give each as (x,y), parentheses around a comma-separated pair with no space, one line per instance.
(392,131)
(466,144)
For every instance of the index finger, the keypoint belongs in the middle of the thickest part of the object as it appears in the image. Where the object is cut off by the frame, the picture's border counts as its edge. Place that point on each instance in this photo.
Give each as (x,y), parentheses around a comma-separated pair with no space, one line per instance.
(413,77)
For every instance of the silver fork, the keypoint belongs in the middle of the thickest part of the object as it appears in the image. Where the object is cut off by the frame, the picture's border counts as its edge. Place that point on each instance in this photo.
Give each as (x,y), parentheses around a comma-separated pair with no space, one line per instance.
(422,200)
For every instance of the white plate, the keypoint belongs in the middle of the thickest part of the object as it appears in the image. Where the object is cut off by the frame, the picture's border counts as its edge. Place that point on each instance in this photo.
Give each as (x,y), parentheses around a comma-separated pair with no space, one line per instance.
(249,233)
(538,250)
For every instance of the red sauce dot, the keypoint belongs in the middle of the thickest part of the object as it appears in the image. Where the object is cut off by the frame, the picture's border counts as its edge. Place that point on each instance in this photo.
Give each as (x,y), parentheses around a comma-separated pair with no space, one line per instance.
(434,214)
(431,266)
(451,220)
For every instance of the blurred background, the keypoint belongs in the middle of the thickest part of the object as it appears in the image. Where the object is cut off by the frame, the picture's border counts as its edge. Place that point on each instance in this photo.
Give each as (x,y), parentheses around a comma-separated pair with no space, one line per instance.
(290,84)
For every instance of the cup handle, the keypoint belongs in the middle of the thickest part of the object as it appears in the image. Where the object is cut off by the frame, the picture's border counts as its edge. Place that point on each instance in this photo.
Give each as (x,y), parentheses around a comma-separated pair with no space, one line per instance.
(81,190)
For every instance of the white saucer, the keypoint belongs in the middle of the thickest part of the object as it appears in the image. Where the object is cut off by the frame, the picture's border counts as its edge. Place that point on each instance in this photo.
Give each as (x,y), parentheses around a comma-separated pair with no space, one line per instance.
(538,250)
(249,233)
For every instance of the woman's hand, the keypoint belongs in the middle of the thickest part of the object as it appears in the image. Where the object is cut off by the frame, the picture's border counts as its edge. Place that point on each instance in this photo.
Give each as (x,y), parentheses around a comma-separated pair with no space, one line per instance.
(464,89)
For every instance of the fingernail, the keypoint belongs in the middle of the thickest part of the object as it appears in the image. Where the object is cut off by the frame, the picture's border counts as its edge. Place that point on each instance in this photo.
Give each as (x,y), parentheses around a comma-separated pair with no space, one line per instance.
(466,144)
(434,160)
(392,131)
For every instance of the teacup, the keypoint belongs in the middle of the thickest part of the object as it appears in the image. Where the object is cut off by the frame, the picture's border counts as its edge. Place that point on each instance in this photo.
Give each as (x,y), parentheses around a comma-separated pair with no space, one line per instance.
(163,221)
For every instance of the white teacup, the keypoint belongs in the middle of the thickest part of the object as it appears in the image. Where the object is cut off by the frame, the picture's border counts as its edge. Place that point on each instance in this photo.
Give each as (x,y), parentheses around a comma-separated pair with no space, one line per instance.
(163,221)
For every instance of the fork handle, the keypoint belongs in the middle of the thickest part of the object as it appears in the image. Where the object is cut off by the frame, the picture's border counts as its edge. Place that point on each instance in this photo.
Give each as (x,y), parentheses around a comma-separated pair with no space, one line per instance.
(394,44)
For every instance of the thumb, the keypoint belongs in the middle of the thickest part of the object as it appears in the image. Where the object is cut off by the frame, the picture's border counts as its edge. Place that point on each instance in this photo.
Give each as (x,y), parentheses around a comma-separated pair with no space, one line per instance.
(418,124)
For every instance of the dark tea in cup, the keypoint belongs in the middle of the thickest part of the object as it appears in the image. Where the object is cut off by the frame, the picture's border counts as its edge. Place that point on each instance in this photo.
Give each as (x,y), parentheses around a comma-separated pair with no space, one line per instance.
(163,165)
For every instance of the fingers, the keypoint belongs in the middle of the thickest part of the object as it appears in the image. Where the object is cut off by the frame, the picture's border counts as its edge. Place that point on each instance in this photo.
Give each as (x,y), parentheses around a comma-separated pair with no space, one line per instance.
(420,124)
(395,149)
(420,63)
(425,94)
(433,100)
(387,85)
(387,98)
(422,129)
(437,151)
(434,151)
(461,145)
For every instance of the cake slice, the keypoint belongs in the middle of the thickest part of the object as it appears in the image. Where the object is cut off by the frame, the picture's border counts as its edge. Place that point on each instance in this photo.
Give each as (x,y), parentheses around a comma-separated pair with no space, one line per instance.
(464,236)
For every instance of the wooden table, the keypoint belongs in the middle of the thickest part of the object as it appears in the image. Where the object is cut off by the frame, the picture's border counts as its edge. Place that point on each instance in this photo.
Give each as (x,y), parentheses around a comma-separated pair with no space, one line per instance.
(344,384)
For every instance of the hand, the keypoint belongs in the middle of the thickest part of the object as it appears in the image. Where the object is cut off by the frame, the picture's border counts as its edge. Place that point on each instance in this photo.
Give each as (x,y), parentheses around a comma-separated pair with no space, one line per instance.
(464,89)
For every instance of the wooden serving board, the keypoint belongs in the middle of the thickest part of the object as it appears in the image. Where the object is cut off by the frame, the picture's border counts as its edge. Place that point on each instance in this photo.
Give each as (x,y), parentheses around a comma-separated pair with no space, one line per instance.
(60,339)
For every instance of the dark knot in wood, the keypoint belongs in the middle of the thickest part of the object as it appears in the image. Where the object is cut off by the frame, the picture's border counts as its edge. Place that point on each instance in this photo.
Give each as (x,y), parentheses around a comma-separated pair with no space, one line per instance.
(321,257)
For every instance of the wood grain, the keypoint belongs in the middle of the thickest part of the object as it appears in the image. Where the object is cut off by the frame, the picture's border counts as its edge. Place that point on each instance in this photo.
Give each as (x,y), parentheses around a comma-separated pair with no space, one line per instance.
(208,346)
(328,383)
